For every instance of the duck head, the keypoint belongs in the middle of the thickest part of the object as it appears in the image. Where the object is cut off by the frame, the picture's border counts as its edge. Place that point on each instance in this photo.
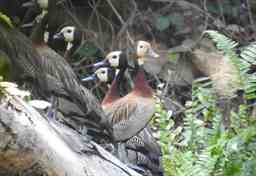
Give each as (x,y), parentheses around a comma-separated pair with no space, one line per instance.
(118,59)
(144,50)
(102,74)
(71,35)
(67,34)
(115,59)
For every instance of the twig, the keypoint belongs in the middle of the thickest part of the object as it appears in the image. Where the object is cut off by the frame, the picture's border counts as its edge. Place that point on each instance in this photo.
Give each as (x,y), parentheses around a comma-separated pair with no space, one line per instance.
(110,47)
(94,7)
(120,19)
(250,14)
(124,28)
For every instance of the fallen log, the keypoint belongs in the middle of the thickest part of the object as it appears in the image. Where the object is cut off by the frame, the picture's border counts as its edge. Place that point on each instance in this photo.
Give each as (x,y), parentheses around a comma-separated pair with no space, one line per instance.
(30,144)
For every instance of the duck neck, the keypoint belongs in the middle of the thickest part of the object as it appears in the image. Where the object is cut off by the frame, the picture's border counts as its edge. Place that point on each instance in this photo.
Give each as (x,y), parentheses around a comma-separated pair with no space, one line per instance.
(113,92)
(141,86)
(37,36)
(69,51)
(73,46)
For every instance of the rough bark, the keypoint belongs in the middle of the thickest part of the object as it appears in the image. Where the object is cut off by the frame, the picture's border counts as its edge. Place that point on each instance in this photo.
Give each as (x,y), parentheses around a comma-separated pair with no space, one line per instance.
(32,145)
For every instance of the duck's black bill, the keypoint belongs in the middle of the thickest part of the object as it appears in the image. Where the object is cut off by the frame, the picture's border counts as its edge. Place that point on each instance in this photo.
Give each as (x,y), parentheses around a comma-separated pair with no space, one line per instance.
(103,63)
(28,4)
(28,25)
(89,78)
(58,36)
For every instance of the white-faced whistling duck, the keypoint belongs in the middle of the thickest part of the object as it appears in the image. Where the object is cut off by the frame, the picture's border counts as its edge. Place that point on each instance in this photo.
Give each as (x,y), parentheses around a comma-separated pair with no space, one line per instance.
(131,113)
(61,81)
(141,150)
(58,11)
(73,37)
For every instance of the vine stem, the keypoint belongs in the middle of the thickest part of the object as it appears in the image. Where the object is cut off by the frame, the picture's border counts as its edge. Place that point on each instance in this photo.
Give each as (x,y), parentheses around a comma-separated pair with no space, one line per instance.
(250,14)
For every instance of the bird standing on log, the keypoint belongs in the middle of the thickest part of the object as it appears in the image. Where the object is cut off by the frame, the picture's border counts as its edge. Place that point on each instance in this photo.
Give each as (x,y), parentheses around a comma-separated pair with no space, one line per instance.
(142,149)
(132,112)
(50,75)
(141,152)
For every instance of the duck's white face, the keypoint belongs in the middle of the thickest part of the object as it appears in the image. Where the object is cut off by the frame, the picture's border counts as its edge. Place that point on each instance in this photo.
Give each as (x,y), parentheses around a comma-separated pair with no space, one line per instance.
(43,3)
(102,74)
(68,33)
(143,50)
(114,58)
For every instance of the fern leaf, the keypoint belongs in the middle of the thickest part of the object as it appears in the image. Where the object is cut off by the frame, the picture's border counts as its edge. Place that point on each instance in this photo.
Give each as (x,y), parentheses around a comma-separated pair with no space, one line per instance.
(248,56)
(222,42)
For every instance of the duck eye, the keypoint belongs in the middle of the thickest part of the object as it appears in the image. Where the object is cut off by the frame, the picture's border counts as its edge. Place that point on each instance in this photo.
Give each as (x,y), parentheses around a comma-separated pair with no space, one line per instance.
(141,46)
(69,31)
(114,57)
(103,72)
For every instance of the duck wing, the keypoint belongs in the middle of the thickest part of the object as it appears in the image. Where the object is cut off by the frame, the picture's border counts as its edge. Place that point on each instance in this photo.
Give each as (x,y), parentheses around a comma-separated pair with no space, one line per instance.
(61,80)
(129,115)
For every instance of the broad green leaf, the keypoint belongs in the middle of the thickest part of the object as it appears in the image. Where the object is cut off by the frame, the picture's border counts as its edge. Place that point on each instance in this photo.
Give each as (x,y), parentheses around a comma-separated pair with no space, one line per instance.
(163,22)
(87,49)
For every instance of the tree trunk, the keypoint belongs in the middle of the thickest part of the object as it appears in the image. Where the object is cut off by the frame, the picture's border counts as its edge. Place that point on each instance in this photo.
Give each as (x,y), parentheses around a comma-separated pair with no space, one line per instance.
(32,145)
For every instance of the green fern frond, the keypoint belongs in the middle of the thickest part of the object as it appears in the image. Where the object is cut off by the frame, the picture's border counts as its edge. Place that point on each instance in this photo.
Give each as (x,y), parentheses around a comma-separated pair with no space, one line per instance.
(222,42)
(249,53)
(228,46)
(204,146)
(205,164)
(5,20)
(248,56)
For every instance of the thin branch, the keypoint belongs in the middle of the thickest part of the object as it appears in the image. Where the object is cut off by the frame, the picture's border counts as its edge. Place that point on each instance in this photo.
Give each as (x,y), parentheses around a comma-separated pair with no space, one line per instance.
(120,19)
(250,14)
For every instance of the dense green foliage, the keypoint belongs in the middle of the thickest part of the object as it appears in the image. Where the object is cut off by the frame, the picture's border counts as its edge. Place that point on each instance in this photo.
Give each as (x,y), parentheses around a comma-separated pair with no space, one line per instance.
(202,146)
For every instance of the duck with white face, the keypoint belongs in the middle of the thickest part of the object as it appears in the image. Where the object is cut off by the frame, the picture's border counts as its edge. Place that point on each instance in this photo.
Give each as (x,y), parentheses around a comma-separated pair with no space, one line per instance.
(118,59)
(130,113)
(141,91)
(114,59)
(73,37)
(69,34)
(144,50)
(143,143)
